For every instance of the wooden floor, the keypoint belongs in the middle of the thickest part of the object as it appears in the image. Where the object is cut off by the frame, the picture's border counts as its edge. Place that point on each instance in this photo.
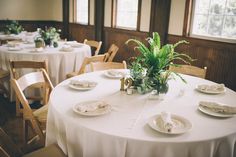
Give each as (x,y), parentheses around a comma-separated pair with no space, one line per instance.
(11,124)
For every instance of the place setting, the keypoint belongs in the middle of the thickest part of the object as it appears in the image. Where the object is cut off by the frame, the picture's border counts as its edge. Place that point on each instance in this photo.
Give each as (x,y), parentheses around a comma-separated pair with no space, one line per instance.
(168,123)
(67,48)
(74,44)
(82,85)
(92,108)
(217,109)
(211,89)
(115,73)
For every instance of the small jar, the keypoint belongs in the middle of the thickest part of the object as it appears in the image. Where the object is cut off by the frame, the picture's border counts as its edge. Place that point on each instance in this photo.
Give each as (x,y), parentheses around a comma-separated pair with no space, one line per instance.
(129,91)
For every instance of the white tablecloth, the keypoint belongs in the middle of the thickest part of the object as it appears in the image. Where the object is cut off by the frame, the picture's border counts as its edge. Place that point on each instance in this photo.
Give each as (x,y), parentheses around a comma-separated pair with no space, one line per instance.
(59,62)
(125,133)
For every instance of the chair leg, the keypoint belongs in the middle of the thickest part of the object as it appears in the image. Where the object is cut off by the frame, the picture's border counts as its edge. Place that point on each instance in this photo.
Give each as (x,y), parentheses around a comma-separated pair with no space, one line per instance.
(19,110)
(25,132)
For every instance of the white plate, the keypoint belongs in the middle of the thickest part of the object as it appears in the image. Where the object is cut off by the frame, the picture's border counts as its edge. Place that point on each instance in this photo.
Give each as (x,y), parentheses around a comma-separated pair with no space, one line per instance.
(182,125)
(82,88)
(97,112)
(119,75)
(215,114)
(210,91)
(14,48)
(74,44)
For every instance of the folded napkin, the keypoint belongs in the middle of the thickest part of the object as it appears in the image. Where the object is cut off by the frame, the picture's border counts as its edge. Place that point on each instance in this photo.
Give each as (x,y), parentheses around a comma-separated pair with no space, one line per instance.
(168,124)
(74,44)
(114,73)
(66,48)
(14,48)
(214,88)
(83,83)
(218,108)
(91,106)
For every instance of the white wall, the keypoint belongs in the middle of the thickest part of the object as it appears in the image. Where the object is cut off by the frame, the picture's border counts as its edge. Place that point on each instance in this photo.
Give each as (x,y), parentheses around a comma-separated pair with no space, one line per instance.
(31,9)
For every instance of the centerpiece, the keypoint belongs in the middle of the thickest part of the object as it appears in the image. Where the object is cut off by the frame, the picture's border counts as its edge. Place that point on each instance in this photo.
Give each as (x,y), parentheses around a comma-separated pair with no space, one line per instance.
(149,71)
(50,36)
(13,27)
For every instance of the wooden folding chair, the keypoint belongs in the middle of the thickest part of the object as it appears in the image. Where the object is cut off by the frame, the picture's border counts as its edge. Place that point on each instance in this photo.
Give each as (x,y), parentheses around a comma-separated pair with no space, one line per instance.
(189,70)
(87,61)
(35,119)
(94,44)
(15,73)
(111,53)
(107,65)
(9,149)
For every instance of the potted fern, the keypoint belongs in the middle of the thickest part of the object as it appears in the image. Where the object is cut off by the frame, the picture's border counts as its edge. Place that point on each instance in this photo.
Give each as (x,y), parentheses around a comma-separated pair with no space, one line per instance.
(155,59)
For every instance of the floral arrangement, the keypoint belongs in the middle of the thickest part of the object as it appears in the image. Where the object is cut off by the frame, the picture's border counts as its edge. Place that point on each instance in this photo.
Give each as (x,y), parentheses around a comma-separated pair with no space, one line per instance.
(50,36)
(149,71)
(13,27)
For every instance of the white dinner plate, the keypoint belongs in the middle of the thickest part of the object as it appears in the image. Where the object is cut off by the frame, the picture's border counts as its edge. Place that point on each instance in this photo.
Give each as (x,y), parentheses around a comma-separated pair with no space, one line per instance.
(97,112)
(77,87)
(74,44)
(210,91)
(14,48)
(117,74)
(215,114)
(181,124)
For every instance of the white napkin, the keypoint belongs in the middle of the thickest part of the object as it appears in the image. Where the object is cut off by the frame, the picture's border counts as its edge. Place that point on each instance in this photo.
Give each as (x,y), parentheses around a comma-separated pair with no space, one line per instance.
(14,48)
(214,88)
(91,106)
(83,83)
(66,48)
(115,73)
(74,44)
(218,108)
(168,124)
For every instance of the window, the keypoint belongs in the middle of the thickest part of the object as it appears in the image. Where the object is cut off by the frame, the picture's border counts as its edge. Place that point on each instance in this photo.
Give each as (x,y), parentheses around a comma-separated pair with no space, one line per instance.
(126,14)
(82,11)
(214,19)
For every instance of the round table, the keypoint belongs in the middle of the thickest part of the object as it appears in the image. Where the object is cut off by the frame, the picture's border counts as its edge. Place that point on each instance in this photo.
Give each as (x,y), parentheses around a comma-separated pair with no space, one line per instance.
(59,62)
(124,131)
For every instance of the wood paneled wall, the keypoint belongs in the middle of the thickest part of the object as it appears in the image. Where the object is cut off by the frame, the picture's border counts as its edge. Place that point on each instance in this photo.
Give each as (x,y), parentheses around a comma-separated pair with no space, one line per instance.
(80,32)
(218,57)
(119,37)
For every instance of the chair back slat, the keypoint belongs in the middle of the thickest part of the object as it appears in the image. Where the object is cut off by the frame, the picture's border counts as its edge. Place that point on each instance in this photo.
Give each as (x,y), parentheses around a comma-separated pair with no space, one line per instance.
(111,53)
(95,44)
(30,79)
(190,70)
(97,66)
(88,60)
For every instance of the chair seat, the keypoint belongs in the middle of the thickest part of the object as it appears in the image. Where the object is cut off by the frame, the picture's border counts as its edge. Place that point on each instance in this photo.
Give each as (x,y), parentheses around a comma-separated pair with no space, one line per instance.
(50,151)
(72,74)
(4,73)
(41,113)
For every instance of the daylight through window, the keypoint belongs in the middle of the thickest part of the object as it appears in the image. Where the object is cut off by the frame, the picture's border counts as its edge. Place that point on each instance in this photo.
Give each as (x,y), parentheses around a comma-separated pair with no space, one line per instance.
(214,19)
(126,14)
(82,11)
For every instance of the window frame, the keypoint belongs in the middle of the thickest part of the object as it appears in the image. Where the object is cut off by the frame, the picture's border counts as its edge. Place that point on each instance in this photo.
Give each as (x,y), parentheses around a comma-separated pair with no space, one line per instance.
(114,17)
(75,13)
(188,25)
